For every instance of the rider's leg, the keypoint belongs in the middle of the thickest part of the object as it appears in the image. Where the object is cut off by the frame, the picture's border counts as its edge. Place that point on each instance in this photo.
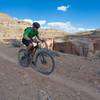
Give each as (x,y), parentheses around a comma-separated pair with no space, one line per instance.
(33,53)
(29,46)
(34,50)
(28,43)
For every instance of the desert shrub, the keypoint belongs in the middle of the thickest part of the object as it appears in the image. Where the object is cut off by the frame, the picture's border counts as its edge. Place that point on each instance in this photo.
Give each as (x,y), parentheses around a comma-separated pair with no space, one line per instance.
(16,43)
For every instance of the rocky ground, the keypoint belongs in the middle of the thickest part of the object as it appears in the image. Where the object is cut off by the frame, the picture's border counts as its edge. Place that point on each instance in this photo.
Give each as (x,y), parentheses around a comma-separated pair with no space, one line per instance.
(74,78)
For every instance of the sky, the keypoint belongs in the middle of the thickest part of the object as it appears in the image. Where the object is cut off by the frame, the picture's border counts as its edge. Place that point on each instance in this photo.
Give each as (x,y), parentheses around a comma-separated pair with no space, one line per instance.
(67,15)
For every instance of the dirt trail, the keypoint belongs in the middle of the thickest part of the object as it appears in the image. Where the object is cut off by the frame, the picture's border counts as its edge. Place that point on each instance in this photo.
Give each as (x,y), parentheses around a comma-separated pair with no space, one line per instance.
(60,79)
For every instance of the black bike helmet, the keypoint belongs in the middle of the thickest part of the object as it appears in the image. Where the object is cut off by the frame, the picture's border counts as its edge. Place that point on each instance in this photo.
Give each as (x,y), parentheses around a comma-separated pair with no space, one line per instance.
(36,25)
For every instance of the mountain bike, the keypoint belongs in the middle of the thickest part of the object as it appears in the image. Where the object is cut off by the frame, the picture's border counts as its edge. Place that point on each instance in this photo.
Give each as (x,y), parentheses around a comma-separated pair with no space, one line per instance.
(42,61)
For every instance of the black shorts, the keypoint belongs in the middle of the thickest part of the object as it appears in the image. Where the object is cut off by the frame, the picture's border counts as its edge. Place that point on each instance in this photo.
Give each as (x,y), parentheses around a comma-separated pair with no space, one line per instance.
(26,42)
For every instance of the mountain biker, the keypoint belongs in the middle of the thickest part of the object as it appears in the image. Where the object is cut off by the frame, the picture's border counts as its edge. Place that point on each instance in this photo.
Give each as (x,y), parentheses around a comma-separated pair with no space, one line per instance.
(29,34)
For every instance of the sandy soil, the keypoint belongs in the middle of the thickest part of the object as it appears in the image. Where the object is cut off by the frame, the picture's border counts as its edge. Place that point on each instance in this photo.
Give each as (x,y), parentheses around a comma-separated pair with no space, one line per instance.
(74,78)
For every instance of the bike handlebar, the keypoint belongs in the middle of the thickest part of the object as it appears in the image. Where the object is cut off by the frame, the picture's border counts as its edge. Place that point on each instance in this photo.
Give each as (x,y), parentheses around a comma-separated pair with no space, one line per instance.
(43,44)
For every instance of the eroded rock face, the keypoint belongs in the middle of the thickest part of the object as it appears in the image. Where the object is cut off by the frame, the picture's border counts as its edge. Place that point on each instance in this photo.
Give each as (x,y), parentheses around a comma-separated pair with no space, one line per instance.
(11,28)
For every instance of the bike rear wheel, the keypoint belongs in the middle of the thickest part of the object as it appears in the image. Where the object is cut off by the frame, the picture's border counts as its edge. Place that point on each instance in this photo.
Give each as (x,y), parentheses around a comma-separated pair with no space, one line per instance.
(23,58)
(44,63)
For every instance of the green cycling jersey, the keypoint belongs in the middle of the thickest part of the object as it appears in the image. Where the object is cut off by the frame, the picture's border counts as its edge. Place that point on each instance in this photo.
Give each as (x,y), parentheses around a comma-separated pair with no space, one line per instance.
(30,32)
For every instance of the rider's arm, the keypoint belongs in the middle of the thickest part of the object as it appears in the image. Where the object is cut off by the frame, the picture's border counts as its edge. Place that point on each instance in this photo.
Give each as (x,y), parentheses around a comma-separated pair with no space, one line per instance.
(40,38)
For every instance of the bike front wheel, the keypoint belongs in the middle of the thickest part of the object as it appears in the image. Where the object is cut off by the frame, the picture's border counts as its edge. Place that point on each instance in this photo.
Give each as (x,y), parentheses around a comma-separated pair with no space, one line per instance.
(44,63)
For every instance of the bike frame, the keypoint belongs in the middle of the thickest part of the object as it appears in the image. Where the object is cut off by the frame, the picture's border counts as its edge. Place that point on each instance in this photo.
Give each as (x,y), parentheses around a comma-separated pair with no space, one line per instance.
(34,50)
